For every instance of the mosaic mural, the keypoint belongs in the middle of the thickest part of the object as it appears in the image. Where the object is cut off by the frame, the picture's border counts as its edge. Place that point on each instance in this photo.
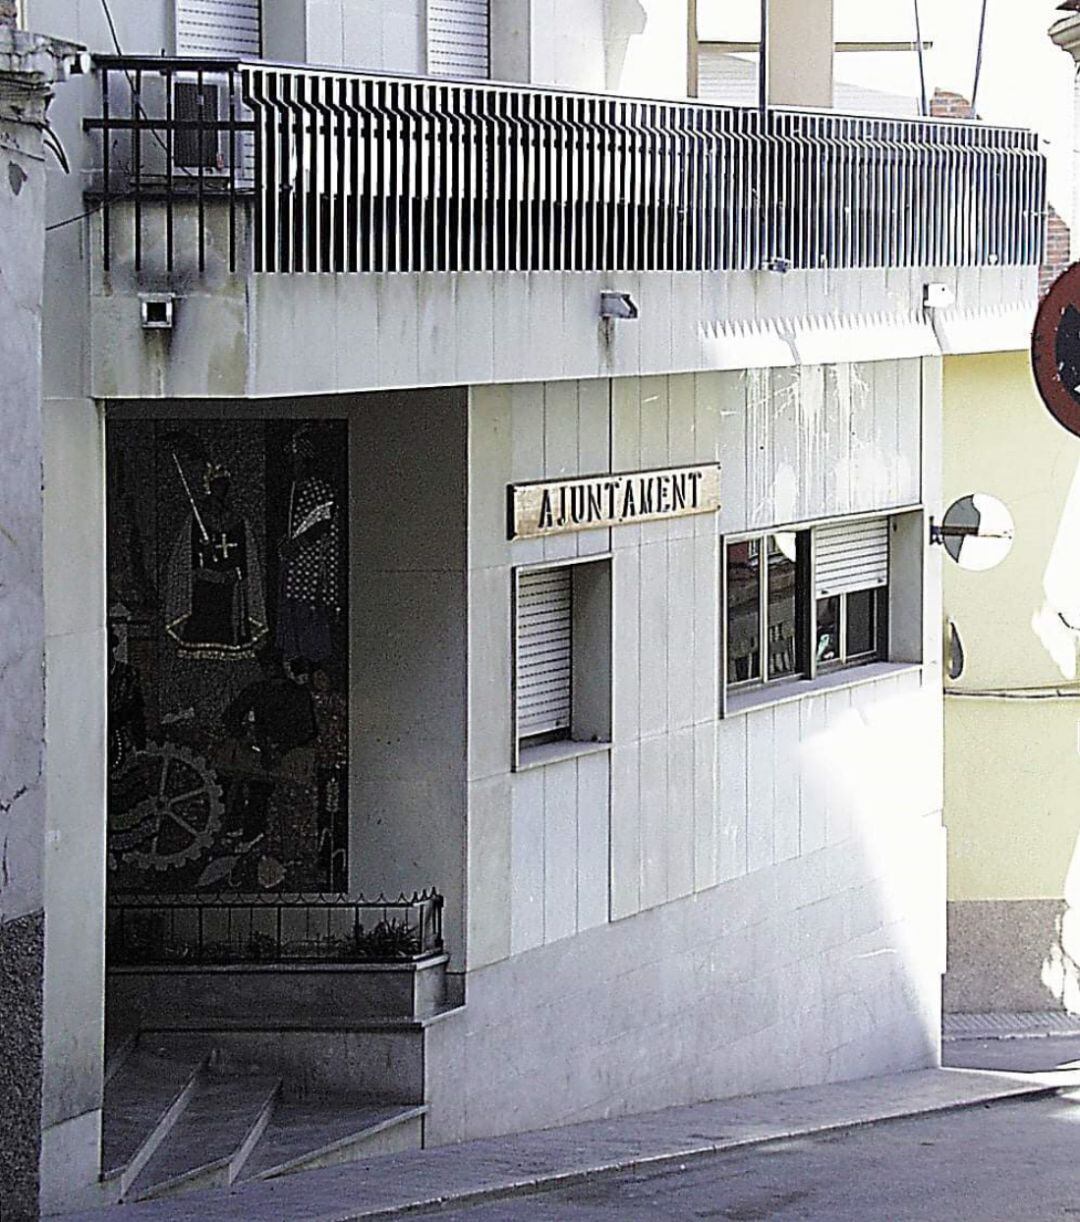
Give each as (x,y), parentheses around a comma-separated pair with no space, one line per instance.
(228,713)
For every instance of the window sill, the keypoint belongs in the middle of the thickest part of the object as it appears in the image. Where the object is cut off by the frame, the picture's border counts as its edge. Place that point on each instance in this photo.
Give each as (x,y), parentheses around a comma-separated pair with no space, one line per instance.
(553,753)
(800,689)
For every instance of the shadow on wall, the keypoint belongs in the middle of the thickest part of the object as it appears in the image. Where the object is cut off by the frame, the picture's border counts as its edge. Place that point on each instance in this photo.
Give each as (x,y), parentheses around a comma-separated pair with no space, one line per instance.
(623,20)
(1057,622)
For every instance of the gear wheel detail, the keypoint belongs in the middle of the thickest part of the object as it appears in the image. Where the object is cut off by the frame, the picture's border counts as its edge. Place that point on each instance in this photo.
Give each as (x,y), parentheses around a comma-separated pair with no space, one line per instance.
(177,813)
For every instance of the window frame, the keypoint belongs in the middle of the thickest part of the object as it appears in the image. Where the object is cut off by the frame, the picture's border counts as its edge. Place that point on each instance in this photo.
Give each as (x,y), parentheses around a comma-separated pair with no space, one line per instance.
(591,681)
(803,660)
(806,616)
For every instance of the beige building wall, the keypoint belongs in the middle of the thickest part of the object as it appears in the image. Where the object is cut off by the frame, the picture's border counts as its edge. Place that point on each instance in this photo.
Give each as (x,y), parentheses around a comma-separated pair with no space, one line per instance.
(1012,724)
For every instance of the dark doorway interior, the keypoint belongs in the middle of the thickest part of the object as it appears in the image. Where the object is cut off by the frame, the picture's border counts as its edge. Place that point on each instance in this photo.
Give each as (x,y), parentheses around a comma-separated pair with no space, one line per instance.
(228,683)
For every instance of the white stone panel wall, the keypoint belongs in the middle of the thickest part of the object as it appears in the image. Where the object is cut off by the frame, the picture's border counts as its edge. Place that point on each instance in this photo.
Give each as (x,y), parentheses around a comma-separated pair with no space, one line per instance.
(693,799)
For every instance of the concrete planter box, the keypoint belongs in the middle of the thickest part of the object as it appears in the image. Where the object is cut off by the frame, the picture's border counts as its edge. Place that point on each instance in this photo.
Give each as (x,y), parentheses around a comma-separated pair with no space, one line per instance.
(298,996)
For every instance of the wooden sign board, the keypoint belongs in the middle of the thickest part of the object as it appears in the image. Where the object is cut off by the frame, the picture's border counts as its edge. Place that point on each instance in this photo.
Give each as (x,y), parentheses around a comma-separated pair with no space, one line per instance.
(593,502)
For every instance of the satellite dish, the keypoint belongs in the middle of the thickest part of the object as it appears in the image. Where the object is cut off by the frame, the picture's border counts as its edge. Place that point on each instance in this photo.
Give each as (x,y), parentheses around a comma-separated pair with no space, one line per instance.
(977,532)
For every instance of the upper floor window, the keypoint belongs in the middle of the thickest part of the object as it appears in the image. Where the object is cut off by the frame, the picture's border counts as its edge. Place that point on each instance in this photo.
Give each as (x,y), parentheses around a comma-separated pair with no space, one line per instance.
(767,584)
(459,38)
(219,27)
(851,576)
(803,601)
(562,657)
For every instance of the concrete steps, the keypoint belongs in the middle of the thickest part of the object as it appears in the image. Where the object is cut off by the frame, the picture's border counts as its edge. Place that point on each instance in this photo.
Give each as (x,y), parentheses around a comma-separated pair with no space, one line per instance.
(180,1116)
(303,1136)
(144,1098)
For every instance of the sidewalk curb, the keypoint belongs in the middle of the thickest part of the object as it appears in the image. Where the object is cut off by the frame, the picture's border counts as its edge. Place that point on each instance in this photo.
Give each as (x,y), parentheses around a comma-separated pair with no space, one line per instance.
(568,1179)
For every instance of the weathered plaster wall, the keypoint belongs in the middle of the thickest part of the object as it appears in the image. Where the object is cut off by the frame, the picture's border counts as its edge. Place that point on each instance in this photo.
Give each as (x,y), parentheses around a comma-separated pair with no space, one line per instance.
(22,690)
(1012,764)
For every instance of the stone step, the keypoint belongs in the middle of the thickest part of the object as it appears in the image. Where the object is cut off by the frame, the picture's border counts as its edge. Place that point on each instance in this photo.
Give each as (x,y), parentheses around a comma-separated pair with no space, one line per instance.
(303,1136)
(212,1139)
(144,1098)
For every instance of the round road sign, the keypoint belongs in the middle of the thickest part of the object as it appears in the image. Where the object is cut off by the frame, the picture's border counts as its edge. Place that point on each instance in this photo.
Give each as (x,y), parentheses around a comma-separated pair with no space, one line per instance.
(1055,349)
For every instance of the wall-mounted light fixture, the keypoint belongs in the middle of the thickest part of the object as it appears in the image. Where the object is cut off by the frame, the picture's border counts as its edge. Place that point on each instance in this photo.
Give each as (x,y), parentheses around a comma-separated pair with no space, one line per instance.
(937,297)
(156,311)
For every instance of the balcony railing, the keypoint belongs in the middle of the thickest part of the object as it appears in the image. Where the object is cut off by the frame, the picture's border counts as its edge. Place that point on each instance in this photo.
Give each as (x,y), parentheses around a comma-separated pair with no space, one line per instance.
(360,173)
(192,930)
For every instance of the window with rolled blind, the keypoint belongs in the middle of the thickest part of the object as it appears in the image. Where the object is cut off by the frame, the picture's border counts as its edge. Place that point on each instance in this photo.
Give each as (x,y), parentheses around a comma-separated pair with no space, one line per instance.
(801,602)
(851,556)
(544,687)
(219,27)
(458,38)
(562,659)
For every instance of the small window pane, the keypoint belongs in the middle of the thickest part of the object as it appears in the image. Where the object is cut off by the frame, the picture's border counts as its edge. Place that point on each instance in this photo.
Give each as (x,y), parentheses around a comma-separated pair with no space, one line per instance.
(861,622)
(744,611)
(827,648)
(782,614)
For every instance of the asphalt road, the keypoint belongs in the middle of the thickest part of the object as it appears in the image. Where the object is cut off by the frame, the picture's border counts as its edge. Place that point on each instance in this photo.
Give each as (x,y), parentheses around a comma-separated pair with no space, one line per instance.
(1010,1162)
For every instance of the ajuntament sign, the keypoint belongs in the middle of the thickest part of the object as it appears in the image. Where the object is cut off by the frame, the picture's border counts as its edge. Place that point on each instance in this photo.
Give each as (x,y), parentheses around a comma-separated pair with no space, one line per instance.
(557,506)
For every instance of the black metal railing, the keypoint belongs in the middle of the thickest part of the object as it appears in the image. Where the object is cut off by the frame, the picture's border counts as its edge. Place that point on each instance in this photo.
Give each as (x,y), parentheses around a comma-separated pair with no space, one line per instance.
(192,929)
(355,172)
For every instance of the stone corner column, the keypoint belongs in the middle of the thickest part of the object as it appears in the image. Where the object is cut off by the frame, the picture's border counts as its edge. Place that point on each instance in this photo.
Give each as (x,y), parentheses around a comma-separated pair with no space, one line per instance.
(29,66)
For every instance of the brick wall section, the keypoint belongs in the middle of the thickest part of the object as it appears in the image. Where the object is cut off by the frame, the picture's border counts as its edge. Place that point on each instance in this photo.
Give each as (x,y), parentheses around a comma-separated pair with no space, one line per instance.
(945,105)
(8,12)
(1056,259)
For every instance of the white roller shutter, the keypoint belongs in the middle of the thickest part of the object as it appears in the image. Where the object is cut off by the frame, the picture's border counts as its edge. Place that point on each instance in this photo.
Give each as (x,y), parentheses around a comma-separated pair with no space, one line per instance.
(543,630)
(219,27)
(457,38)
(851,556)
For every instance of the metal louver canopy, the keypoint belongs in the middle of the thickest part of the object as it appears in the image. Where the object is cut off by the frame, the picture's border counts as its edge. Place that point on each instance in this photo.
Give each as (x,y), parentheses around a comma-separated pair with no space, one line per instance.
(851,556)
(219,27)
(544,626)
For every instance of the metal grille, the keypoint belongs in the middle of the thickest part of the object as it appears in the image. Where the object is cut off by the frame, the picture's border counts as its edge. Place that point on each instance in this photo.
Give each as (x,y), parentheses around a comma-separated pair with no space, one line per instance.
(362,174)
(544,641)
(270,928)
(354,173)
(457,38)
(219,27)
(851,556)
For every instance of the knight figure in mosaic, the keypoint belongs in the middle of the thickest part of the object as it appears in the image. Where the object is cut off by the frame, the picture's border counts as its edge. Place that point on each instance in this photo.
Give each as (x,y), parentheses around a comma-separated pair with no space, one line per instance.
(214,594)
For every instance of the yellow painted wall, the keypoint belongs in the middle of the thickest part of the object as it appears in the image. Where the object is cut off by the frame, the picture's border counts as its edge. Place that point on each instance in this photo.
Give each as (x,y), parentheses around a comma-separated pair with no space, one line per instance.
(1012,767)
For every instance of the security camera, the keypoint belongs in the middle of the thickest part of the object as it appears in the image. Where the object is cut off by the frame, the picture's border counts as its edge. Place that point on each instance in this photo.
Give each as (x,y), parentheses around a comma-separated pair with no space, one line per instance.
(617,305)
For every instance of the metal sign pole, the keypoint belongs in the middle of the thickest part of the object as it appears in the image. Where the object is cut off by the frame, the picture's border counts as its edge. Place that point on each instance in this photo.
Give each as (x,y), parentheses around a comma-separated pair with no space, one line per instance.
(922,61)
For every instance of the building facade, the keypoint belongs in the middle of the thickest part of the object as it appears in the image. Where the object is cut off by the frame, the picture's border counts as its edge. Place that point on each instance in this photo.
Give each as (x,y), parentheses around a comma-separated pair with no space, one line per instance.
(1010,726)
(513,496)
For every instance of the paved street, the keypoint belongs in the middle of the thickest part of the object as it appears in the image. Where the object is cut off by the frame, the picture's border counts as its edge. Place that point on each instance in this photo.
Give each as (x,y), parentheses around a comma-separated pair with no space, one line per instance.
(1008,1162)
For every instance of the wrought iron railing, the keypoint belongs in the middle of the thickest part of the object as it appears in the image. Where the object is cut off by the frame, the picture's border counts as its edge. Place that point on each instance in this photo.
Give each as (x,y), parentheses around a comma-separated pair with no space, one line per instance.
(363,173)
(192,929)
